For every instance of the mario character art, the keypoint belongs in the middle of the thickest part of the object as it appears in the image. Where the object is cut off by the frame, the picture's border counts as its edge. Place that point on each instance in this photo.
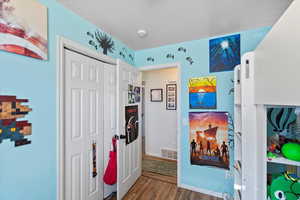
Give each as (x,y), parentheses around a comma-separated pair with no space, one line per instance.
(12,109)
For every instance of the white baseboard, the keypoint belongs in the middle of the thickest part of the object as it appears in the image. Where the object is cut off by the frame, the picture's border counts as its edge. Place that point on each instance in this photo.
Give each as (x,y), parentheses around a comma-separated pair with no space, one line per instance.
(153,154)
(203,191)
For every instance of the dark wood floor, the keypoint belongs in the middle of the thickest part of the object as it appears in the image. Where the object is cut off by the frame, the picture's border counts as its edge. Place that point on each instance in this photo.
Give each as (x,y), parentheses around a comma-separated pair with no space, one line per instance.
(152,186)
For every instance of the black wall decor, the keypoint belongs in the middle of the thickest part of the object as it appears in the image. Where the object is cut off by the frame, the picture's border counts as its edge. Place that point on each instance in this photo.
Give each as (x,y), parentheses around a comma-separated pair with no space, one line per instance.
(190,60)
(105,42)
(150,59)
(182,49)
(231,91)
(102,40)
(171,56)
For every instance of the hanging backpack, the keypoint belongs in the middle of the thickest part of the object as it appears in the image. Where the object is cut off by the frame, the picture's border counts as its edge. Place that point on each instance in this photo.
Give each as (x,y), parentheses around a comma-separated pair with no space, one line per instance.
(110,175)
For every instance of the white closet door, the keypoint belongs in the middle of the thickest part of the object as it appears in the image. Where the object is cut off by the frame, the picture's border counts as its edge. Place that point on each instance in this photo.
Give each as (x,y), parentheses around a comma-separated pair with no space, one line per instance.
(109,118)
(129,156)
(84,127)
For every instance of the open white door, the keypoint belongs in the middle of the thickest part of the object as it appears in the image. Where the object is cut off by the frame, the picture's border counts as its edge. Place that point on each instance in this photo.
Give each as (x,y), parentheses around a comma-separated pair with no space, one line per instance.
(129,155)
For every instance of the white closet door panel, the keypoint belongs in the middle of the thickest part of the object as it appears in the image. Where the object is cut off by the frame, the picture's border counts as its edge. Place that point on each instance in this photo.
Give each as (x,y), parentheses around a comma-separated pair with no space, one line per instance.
(84,127)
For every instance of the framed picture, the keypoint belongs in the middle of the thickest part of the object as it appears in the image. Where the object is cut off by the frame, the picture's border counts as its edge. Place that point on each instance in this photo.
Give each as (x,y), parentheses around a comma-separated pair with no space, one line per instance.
(224,53)
(156,95)
(171,97)
(22,32)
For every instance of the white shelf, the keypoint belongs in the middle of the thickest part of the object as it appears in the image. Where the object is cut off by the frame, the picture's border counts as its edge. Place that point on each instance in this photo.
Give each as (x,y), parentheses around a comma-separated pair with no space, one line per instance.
(282,160)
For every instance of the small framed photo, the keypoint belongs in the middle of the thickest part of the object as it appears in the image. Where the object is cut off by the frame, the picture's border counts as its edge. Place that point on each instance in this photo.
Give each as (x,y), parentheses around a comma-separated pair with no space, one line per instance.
(156,95)
(171,97)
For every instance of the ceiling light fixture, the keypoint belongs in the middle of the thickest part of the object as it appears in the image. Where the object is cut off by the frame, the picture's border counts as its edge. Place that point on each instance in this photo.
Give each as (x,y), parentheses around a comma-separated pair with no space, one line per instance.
(142,33)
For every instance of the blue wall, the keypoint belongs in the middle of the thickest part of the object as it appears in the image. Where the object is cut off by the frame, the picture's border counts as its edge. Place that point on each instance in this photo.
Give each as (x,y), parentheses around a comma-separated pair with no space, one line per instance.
(29,172)
(208,178)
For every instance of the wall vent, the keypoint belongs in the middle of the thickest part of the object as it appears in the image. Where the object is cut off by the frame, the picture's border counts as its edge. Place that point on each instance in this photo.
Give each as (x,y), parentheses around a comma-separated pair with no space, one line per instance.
(169,154)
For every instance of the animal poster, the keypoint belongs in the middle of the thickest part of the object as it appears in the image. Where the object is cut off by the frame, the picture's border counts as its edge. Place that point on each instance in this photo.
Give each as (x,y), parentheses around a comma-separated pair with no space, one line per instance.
(202,93)
(12,109)
(137,94)
(132,123)
(209,139)
(24,28)
(224,53)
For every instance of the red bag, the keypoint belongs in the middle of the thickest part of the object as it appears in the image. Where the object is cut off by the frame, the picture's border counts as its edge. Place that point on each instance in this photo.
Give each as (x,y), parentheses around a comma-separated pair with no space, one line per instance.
(110,175)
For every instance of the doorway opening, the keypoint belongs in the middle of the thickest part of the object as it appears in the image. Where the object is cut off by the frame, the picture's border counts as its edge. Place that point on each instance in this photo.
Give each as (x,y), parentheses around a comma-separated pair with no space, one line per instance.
(160,117)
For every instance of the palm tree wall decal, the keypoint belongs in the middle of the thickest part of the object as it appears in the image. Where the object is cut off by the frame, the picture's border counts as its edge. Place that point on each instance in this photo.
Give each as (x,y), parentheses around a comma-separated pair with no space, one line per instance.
(105,42)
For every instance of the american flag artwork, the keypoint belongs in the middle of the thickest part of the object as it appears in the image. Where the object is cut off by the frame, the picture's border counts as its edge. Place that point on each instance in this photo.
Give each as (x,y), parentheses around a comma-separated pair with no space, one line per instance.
(24,28)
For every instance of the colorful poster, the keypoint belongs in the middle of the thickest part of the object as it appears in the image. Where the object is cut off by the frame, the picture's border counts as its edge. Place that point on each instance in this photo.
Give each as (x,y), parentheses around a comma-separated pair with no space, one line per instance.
(224,53)
(21,31)
(132,123)
(209,139)
(202,93)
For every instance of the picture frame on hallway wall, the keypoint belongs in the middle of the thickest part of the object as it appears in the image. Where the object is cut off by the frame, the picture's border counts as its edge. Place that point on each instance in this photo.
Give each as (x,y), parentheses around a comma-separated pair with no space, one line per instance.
(171,96)
(21,32)
(156,95)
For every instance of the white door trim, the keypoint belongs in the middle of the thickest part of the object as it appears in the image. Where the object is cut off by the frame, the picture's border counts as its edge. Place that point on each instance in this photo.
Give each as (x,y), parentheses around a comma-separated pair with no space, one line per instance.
(178,66)
(63,43)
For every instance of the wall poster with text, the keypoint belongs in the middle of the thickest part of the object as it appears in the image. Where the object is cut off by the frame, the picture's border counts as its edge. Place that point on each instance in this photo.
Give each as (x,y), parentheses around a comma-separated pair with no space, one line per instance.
(209,139)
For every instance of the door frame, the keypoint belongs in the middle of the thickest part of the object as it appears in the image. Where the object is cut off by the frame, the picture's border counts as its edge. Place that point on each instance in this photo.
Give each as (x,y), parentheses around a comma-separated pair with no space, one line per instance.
(62,44)
(178,66)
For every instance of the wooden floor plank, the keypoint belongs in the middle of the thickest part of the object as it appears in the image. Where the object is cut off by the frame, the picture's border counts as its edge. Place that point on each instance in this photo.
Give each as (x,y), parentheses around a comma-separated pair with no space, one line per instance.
(169,179)
(154,188)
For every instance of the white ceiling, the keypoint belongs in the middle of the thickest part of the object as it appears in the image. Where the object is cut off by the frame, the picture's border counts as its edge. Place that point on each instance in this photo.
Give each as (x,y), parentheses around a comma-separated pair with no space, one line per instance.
(174,21)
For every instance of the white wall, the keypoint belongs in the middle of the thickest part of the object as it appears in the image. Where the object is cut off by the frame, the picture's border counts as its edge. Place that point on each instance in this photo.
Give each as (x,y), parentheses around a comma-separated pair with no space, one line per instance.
(277,61)
(160,124)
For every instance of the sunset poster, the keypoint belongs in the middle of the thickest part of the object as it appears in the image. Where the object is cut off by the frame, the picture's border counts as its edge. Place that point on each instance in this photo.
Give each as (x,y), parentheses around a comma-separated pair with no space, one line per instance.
(24,28)
(209,139)
(203,93)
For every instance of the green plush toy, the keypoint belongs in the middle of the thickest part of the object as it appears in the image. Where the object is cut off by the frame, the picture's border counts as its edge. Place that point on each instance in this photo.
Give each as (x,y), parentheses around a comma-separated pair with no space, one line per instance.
(291,151)
(285,187)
